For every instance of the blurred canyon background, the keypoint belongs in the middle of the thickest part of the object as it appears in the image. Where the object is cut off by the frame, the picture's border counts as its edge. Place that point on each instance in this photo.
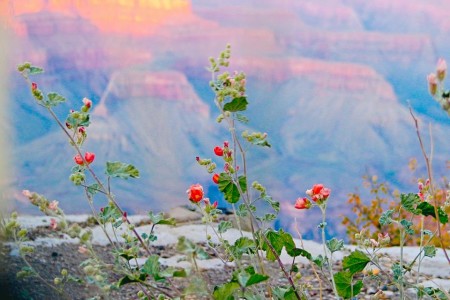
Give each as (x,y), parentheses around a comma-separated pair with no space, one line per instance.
(329,81)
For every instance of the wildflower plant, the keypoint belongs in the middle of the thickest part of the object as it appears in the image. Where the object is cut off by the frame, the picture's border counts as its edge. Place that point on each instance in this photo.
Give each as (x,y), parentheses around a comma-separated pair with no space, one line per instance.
(251,252)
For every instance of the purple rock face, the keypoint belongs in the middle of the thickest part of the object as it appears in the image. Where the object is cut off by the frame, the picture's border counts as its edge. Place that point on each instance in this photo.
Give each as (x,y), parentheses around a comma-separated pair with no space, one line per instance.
(330,83)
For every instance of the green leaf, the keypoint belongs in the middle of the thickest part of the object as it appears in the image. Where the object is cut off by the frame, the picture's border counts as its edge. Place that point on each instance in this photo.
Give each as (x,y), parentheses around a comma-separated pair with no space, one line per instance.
(93,188)
(319,260)
(121,170)
(301,252)
(397,273)
(267,218)
(275,204)
(386,217)
(54,99)
(428,210)
(152,267)
(225,291)
(241,118)
(224,226)
(408,226)
(159,219)
(282,293)
(335,245)
(237,104)
(410,202)
(249,277)
(242,245)
(344,285)
(278,240)
(229,189)
(35,70)
(355,262)
(429,251)
(172,272)
(128,279)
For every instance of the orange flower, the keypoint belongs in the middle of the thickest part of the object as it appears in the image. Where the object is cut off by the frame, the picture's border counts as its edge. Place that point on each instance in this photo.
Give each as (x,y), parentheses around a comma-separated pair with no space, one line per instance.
(195,193)
(319,192)
(215,178)
(302,203)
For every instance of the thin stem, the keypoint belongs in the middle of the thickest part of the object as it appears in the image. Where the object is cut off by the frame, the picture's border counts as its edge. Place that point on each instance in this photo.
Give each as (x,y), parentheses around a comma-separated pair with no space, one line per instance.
(311,263)
(430,177)
(325,252)
(280,263)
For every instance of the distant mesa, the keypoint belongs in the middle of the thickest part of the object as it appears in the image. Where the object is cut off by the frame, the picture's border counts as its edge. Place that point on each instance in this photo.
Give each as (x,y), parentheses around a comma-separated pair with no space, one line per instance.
(169,86)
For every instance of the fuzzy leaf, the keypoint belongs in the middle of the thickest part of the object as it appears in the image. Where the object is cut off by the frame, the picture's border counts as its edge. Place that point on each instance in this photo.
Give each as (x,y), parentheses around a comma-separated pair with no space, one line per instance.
(355,262)
(224,226)
(160,219)
(335,245)
(429,251)
(35,70)
(229,189)
(225,291)
(410,202)
(237,104)
(344,285)
(121,170)
(54,99)
(386,217)
(428,210)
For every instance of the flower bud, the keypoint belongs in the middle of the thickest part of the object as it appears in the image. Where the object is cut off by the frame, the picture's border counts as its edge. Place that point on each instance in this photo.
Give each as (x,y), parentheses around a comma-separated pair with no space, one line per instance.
(64,272)
(432,84)
(302,203)
(57,280)
(140,294)
(78,160)
(215,178)
(441,69)
(89,157)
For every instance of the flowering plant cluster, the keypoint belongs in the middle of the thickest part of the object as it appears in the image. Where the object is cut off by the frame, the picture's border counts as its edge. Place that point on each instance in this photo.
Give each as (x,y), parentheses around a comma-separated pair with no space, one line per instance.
(251,253)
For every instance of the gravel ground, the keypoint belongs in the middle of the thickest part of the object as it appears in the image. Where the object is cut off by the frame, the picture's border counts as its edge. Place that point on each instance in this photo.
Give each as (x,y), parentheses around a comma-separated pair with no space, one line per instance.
(49,261)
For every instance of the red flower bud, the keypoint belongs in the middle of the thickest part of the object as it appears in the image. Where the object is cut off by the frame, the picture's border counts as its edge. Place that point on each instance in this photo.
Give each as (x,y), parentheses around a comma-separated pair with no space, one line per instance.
(214,205)
(225,144)
(81,130)
(34,86)
(78,160)
(195,193)
(87,102)
(89,157)
(302,203)
(215,178)
(218,151)
(197,158)
(102,209)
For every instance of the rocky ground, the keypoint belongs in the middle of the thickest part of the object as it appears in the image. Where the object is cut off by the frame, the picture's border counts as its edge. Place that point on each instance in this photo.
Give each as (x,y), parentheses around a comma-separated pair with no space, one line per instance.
(60,252)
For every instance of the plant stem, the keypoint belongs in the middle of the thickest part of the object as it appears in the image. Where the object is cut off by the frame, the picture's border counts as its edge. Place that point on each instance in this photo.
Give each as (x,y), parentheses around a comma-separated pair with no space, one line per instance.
(323,208)
(430,177)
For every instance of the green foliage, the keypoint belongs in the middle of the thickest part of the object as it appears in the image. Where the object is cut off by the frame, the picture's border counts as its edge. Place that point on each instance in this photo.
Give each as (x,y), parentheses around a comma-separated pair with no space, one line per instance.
(191,249)
(224,226)
(54,99)
(278,240)
(355,262)
(159,219)
(241,246)
(410,202)
(237,104)
(230,189)
(345,287)
(429,250)
(226,291)
(428,210)
(335,245)
(249,277)
(386,217)
(121,170)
